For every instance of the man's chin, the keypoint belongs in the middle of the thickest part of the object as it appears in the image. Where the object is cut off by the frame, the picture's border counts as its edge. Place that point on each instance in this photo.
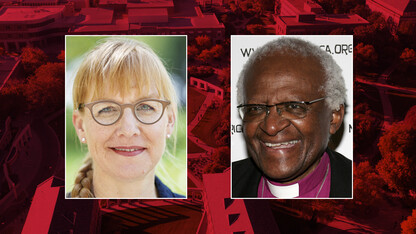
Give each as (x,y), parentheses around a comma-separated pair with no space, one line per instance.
(281,176)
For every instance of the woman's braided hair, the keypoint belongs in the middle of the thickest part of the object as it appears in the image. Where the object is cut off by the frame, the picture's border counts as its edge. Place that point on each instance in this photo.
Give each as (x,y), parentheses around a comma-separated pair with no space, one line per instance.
(83,182)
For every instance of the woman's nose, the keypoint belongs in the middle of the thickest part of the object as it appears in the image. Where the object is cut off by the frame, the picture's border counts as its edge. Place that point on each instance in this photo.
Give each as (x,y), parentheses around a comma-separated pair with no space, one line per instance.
(128,124)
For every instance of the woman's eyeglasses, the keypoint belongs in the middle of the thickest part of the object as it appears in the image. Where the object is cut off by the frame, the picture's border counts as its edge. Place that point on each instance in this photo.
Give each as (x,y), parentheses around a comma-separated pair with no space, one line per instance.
(147,111)
(288,110)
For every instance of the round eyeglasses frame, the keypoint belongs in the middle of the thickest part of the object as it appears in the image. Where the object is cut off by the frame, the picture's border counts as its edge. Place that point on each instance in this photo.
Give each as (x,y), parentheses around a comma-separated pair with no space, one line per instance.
(124,106)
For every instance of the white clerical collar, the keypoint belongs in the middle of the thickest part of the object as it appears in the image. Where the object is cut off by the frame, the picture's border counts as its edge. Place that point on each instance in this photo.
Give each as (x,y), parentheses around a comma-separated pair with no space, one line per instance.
(288,191)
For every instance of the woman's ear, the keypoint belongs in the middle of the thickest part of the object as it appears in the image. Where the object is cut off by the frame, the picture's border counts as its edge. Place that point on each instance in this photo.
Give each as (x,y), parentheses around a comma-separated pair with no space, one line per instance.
(337,118)
(171,122)
(78,123)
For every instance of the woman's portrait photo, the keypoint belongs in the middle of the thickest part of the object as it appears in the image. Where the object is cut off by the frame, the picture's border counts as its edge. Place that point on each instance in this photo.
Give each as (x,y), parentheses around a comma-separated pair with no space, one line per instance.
(125,117)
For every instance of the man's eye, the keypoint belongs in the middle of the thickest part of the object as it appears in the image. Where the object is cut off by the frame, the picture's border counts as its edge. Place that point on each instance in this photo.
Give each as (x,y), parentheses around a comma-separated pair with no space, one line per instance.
(294,106)
(255,109)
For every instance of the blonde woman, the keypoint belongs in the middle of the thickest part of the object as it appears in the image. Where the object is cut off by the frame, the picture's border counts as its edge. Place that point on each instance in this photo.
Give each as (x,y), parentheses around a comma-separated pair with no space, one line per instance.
(125,108)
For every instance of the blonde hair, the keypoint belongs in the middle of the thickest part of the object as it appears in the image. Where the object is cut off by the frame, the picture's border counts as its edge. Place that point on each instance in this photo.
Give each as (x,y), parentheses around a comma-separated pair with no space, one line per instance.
(118,65)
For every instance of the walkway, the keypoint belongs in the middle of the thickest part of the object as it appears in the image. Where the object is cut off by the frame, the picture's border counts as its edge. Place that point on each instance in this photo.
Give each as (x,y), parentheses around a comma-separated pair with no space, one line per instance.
(201,112)
(383,87)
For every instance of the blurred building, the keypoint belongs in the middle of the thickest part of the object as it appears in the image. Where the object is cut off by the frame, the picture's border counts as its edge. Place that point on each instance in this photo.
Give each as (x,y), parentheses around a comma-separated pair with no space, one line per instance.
(225,215)
(310,24)
(10,67)
(39,22)
(295,7)
(395,12)
(22,26)
(50,213)
(308,17)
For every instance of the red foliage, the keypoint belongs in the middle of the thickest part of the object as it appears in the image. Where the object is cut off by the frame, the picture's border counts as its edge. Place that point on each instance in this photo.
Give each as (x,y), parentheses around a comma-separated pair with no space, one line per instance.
(256,29)
(220,160)
(32,58)
(45,88)
(367,187)
(203,42)
(61,56)
(397,147)
(365,55)
(409,225)
(408,56)
(192,50)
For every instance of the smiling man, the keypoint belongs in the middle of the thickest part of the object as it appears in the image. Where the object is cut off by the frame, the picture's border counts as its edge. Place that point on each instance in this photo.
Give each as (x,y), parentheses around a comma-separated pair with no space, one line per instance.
(291,97)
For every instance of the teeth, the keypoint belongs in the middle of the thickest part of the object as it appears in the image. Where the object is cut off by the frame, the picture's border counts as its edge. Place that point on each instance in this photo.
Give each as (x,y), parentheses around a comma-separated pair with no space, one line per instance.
(126,150)
(281,144)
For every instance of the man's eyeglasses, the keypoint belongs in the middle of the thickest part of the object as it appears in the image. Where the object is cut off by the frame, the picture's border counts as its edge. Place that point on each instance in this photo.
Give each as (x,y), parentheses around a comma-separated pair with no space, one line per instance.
(147,111)
(288,110)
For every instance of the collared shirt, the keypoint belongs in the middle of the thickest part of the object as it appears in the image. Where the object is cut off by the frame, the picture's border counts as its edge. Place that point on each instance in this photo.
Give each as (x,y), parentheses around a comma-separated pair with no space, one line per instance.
(315,185)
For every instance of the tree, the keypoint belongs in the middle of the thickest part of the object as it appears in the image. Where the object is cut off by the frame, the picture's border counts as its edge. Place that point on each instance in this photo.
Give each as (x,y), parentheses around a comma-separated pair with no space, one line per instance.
(367,189)
(217,51)
(200,71)
(409,225)
(222,133)
(32,58)
(256,29)
(193,51)
(410,117)
(365,56)
(338,31)
(367,125)
(220,160)
(407,33)
(61,56)
(267,5)
(203,42)
(224,77)
(233,7)
(377,20)
(364,34)
(228,17)
(45,88)
(361,10)
(205,55)
(408,56)
(397,147)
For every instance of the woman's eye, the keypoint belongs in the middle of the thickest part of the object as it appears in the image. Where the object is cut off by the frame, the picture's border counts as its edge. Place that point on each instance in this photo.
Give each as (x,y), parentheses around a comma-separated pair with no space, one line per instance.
(108,109)
(145,107)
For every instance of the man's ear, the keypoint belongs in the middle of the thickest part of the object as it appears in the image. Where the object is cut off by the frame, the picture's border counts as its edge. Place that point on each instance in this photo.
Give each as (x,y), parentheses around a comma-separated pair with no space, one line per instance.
(171,122)
(78,123)
(337,118)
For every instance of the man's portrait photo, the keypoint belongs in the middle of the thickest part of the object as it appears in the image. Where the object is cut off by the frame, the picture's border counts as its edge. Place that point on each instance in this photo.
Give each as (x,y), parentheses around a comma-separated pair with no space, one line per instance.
(291,120)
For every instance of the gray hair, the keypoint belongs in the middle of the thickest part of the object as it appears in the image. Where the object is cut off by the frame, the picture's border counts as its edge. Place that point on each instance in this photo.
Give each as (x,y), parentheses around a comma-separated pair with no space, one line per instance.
(334,86)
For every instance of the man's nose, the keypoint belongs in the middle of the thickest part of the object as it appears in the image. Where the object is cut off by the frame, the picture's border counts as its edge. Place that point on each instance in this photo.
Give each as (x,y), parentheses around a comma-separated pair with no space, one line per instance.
(128,124)
(274,122)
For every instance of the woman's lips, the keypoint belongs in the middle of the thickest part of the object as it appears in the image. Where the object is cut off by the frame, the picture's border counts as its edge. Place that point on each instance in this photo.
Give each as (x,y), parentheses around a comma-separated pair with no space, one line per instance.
(128,151)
